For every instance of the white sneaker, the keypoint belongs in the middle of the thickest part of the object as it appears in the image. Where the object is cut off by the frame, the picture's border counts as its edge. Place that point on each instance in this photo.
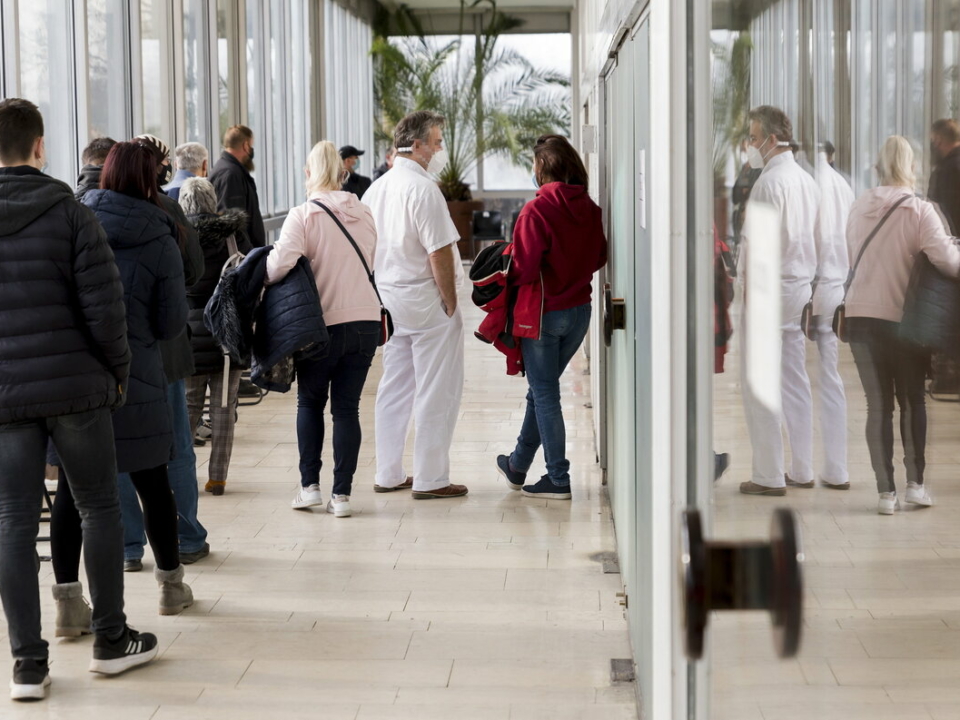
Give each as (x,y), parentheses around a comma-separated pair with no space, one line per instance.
(888,503)
(339,506)
(307,497)
(917,495)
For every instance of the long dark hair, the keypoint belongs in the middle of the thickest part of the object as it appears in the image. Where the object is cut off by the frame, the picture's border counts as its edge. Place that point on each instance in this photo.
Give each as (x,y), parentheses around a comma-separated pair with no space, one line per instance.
(556,160)
(131,169)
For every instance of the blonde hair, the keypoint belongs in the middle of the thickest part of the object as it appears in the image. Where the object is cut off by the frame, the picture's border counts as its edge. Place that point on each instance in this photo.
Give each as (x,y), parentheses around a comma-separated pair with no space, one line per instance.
(325,168)
(895,164)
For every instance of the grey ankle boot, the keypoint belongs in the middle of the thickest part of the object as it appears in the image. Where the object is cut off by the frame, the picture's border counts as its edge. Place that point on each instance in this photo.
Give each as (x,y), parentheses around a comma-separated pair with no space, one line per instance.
(175,594)
(73,613)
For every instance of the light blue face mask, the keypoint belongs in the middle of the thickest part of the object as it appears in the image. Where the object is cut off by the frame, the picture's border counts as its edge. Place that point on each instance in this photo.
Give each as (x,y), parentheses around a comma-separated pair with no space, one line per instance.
(535,183)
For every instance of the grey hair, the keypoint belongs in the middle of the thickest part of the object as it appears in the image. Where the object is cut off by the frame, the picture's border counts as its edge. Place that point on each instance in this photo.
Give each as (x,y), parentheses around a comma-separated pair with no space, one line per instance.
(773,121)
(190,156)
(198,197)
(416,126)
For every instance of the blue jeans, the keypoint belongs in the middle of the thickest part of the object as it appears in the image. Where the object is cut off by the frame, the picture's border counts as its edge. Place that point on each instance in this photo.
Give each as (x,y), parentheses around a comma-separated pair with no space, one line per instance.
(339,376)
(561,333)
(85,446)
(182,473)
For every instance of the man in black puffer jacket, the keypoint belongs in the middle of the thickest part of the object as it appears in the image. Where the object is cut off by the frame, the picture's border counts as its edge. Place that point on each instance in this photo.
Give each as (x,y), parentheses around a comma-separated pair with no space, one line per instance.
(64,362)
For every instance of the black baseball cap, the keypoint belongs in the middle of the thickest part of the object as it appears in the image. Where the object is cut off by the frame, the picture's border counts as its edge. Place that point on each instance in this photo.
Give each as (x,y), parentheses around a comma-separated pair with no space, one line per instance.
(349,151)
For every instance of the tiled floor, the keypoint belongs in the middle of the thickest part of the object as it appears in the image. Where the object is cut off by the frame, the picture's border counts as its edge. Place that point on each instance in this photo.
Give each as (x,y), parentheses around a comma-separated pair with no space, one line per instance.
(882,627)
(485,607)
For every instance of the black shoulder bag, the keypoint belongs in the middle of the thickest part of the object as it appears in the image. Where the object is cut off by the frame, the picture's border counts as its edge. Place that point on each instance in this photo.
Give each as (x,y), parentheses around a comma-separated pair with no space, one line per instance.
(386,320)
(840,314)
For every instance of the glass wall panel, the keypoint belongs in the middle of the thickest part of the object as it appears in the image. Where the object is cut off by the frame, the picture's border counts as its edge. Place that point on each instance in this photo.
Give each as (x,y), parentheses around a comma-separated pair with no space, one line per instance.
(254,55)
(811,423)
(108,69)
(227,44)
(45,34)
(196,71)
(300,71)
(153,34)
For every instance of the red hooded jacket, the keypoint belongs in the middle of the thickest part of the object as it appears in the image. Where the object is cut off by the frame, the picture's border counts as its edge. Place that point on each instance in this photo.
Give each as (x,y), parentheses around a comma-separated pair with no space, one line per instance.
(559,240)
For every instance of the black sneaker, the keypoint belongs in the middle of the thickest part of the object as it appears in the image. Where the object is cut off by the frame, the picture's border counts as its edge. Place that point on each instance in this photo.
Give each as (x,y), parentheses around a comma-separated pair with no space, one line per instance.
(132,565)
(189,558)
(30,679)
(515,480)
(130,650)
(546,489)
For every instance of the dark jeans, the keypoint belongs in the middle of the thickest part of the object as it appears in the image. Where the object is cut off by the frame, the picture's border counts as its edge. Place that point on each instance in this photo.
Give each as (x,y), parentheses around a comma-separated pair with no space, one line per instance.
(159,515)
(890,368)
(85,444)
(182,475)
(561,333)
(339,375)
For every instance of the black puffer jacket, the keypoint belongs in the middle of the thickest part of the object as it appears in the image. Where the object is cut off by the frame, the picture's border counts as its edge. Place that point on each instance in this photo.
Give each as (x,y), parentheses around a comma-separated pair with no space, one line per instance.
(143,238)
(89,179)
(214,231)
(63,333)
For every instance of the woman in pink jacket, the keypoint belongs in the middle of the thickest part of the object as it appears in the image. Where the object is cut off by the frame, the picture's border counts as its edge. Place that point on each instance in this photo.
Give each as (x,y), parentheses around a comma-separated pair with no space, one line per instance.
(889,367)
(352,314)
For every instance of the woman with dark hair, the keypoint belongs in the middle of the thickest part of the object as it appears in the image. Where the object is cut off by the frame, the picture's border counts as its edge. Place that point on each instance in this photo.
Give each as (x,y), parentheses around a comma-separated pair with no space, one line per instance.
(144,242)
(558,244)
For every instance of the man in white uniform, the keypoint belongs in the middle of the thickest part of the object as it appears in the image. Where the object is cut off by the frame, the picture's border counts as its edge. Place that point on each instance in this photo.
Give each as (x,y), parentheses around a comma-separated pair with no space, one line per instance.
(418,272)
(794,196)
(833,266)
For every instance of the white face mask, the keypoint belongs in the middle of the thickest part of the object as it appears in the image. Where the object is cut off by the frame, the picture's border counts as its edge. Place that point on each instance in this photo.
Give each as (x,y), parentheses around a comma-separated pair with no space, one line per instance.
(758,159)
(438,162)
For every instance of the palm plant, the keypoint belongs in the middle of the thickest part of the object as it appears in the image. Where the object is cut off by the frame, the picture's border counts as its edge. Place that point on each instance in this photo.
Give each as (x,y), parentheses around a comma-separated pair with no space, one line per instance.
(494,100)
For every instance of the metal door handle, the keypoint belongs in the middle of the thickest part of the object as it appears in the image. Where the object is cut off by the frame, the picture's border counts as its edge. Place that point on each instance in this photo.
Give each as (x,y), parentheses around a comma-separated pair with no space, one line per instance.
(614,314)
(743,576)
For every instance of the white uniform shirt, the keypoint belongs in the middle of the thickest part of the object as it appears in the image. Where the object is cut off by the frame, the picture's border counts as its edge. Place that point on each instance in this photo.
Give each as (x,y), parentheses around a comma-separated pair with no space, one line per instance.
(793,194)
(412,222)
(836,199)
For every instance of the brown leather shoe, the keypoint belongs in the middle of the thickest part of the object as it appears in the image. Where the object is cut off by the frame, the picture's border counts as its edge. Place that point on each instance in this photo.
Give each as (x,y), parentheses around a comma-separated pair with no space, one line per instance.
(215,487)
(751,488)
(450,491)
(405,485)
(793,483)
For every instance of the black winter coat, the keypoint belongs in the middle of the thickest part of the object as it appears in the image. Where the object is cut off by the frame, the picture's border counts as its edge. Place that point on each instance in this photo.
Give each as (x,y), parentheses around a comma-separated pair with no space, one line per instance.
(289,321)
(89,179)
(177,353)
(143,238)
(945,188)
(357,184)
(63,332)
(214,230)
(236,189)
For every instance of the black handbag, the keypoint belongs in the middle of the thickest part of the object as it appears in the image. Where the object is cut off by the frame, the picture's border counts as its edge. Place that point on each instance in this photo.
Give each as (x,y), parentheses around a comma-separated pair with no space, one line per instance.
(840,314)
(386,320)
(931,308)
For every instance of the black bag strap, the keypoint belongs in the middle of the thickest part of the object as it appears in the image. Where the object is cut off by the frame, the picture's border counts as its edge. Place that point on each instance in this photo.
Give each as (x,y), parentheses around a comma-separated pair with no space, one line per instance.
(870,237)
(356,247)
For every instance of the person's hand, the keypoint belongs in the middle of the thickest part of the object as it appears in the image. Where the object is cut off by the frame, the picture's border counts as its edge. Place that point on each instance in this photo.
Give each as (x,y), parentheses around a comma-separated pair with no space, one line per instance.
(449,310)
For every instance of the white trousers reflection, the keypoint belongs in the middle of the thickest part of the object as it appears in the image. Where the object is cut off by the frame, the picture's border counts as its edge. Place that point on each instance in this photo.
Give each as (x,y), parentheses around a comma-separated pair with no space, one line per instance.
(833,405)
(764,424)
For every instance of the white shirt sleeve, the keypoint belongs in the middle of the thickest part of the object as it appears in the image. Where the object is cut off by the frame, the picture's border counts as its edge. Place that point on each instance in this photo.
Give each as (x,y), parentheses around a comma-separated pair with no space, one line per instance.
(287,250)
(435,229)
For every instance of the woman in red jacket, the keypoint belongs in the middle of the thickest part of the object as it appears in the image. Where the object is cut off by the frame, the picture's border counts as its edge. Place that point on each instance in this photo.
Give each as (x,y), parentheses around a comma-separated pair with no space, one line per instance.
(558,244)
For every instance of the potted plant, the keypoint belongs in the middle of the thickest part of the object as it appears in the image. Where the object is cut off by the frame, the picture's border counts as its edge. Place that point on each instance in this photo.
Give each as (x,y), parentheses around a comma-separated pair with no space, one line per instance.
(494,100)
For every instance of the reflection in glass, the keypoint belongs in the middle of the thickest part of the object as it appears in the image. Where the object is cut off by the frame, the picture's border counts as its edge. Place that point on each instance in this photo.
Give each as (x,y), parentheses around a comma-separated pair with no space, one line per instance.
(45,42)
(109,84)
(152,35)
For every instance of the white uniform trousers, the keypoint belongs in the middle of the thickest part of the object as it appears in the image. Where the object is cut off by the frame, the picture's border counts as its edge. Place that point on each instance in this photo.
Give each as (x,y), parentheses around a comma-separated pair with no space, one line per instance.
(833,405)
(764,425)
(423,377)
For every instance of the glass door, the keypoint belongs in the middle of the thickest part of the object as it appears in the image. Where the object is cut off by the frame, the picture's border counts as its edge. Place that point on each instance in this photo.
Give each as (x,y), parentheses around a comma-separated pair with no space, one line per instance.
(813,435)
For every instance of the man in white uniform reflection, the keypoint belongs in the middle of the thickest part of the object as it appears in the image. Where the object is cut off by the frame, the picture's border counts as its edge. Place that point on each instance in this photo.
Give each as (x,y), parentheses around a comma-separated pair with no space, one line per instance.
(793,195)
(418,272)
(833,266)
